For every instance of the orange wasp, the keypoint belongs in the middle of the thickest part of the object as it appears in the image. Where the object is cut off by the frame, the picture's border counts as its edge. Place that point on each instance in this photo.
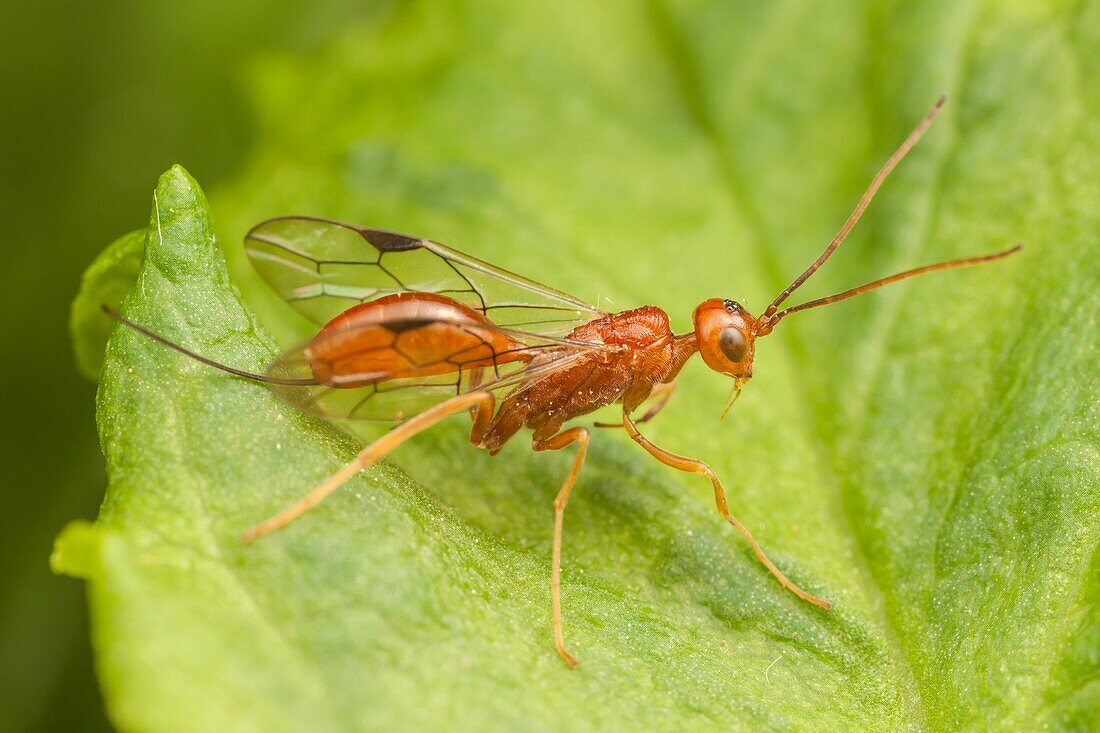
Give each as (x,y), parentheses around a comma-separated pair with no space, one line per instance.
(413,332)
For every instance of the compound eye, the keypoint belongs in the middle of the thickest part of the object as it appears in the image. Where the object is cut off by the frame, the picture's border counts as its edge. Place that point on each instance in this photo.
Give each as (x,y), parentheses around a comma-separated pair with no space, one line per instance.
(732,343)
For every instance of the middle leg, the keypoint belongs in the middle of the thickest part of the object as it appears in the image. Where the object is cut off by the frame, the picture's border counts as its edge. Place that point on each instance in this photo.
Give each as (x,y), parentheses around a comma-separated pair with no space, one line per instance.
(661,394)
(557,442)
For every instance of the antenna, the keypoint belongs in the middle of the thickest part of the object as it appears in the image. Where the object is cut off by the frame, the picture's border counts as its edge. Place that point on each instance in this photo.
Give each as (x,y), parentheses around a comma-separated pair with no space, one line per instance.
(766,319)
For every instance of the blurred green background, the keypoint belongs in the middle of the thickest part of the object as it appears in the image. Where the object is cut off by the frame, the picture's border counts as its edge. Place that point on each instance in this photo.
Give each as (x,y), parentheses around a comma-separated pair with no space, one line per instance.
(98,99)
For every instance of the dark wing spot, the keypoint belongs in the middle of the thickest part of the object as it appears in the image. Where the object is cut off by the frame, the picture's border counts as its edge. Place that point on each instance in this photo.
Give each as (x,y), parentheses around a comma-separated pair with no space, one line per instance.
(386,241)
(396,327)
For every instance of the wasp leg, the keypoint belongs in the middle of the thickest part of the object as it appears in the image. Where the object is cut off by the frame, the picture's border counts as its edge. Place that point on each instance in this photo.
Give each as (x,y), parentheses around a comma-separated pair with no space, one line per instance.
(691,465)
(480,403)
(662,393)
(557,442)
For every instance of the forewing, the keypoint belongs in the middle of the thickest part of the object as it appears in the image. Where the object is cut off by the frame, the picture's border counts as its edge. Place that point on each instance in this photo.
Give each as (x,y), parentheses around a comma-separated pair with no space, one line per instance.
(323,267)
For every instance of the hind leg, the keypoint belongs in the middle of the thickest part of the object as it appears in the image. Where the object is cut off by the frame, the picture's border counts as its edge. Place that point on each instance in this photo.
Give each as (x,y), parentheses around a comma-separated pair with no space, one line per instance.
(557,442)
(480,403)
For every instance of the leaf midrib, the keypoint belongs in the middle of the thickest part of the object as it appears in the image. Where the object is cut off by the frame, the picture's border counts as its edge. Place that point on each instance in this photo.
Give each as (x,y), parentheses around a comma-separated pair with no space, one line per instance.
(206,525)
(685,70)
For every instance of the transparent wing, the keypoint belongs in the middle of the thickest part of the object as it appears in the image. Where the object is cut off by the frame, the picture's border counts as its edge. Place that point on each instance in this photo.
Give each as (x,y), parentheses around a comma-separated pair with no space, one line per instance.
(323,267)
(394,400)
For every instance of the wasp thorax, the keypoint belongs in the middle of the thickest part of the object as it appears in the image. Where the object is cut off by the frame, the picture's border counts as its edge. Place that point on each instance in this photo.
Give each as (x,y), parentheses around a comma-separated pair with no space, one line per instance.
(723,330)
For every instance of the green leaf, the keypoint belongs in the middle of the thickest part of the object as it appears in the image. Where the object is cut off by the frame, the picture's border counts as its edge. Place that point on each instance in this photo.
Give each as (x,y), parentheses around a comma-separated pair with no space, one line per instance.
(105,282)
(925,457)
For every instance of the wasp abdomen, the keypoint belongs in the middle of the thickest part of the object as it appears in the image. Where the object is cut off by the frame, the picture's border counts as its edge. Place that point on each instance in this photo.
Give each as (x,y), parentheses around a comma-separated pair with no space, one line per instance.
(407,335)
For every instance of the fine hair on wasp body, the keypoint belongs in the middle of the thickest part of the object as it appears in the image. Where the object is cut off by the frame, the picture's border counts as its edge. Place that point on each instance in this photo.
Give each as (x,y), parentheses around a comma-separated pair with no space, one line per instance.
(412,332)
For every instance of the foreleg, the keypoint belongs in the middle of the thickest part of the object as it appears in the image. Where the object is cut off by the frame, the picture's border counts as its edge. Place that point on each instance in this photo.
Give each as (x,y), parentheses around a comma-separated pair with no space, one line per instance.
(691,465)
